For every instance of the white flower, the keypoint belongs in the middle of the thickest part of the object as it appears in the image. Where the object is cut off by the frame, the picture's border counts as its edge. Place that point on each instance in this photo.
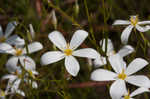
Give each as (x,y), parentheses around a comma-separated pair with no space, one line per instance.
(14,80)
(122,74)
(68,51)
(19,55)
(132,23)
(126,50)
(138,91)
(5,37)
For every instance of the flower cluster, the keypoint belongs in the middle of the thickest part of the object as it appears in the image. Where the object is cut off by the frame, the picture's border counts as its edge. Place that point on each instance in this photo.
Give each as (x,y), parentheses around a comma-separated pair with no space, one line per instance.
(123,73)
(22,68)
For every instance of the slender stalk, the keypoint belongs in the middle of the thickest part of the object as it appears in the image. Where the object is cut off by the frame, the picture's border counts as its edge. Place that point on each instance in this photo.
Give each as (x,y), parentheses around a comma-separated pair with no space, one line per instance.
(89,84)
(89,20)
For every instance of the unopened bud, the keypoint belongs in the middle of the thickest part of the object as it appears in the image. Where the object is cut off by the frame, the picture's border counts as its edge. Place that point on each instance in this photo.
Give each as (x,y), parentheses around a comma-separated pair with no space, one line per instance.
(30,33)
(76,8)
(54,19)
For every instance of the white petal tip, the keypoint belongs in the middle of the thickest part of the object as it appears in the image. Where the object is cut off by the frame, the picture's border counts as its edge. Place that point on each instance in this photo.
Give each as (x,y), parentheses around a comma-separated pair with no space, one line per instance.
(83,32)
(52,33)
(40,46)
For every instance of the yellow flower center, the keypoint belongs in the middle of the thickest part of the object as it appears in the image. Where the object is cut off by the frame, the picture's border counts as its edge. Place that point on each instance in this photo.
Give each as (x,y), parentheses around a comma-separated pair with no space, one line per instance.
(134,20)
(18,52)
(2,39)
(68,51)
(122,75)
(127,96)
(31,74)
(2,93)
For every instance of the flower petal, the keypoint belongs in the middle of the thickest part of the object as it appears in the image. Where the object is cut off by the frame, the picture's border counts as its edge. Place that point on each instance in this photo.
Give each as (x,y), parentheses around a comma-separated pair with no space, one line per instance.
(117,89)
(10,27)
(34,84)
(136,65)
(1,31)
(11,64)
(125,34)
(58,40)
(15,85)
(121,22)
(27,62)
(35,72)
(144,22)
(51,57)
(110,46)
(6,48)
(103,75)
(139,80)
(33,47)
(117,63)
(9,76)
(72,65)
(126,50)
(11,80)
(142,29)
(20,92)
(139,91)
(86,52)
(15,40)
(100,61)
(78,37)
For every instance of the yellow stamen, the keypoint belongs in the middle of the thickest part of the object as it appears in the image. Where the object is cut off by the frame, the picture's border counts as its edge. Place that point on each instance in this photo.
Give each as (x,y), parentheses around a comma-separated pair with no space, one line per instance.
(127,96)
(122,75)
(2,39)
(134,20)
(31,74)
(18,52)
(68,51)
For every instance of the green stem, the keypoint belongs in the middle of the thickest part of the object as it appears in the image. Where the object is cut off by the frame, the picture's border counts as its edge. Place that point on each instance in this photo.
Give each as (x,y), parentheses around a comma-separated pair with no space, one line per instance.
(89,20)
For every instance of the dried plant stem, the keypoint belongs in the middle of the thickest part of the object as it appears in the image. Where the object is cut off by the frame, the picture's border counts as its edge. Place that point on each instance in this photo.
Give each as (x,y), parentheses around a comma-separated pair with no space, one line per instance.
(38,8)
(89,84)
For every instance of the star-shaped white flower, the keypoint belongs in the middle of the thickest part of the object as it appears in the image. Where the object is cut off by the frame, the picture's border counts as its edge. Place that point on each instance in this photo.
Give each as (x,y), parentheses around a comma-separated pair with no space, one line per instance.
(122,74)
(68,51)
(132,23)
(126,50)
(5,37)
(19,55)
(138,91)
(15,78)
